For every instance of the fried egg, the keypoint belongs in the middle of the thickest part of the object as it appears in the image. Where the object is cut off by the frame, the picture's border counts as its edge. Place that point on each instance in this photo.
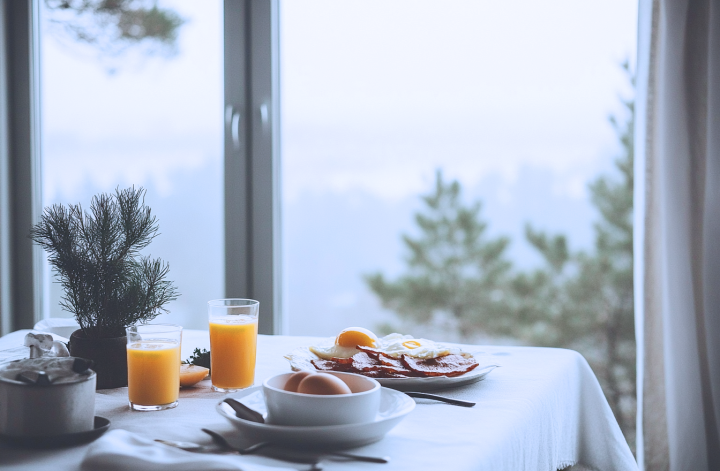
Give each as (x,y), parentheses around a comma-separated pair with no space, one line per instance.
(393,345)
(396,345)
(346,343)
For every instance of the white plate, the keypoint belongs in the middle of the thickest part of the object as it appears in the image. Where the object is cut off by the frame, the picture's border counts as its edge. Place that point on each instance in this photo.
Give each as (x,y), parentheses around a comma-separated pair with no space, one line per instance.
(436,382)
(300,359)
(394,406)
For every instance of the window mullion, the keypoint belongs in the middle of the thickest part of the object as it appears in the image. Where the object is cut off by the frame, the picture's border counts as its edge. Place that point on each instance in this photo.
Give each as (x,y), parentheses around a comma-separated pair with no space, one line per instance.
(252,213)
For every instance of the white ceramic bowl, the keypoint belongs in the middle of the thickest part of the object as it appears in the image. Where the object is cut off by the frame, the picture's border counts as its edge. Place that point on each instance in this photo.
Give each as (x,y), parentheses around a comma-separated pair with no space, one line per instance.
(291,408)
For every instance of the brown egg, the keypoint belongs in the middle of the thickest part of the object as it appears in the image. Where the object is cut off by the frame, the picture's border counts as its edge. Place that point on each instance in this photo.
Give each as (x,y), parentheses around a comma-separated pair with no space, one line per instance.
(294,380)
(323,384)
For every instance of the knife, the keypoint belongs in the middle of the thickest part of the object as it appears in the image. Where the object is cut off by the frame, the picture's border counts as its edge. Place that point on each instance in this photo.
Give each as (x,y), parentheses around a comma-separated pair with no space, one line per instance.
(435,397)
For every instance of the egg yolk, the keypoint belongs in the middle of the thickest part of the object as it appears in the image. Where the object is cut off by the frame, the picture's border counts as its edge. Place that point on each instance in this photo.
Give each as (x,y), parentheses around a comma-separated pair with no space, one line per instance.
(354,336)
(411,344)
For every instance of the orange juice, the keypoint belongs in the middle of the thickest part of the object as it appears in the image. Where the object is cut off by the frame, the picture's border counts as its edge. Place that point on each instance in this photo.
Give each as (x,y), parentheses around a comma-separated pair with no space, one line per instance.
(153,372)
(233,343)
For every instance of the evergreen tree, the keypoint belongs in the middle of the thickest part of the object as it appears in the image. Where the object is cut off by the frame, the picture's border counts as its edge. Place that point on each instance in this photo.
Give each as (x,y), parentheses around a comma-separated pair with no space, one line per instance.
(581,300)
(584,301)
(114,26)
(454,269)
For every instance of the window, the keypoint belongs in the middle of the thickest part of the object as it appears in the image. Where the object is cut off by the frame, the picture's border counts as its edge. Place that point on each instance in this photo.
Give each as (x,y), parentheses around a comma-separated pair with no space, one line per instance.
(198,130)
(510,98)
(387,103)
(148,115)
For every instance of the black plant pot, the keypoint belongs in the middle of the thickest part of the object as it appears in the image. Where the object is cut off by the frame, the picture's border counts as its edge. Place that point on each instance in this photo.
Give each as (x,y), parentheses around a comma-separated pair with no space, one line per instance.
(109,355)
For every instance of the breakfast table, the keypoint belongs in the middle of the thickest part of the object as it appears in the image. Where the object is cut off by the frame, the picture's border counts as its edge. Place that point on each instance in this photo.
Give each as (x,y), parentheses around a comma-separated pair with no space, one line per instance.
(542,409)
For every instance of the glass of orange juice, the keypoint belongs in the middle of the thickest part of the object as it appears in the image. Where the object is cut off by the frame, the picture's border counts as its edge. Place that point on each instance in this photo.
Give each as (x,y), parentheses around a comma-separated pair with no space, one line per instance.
(153,352)
(233,343)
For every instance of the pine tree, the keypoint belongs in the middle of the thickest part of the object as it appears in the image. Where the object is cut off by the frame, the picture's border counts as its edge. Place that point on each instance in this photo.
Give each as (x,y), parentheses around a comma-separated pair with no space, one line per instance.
(113,27)
(584,301)
(454,269)
(581,300)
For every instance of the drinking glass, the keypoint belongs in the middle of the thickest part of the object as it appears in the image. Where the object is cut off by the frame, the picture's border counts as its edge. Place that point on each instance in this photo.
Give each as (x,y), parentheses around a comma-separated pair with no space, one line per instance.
(153,352)
(233,343)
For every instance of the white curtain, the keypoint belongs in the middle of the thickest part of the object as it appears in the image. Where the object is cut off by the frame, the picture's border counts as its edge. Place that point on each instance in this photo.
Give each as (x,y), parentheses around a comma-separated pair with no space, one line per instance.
(677,234)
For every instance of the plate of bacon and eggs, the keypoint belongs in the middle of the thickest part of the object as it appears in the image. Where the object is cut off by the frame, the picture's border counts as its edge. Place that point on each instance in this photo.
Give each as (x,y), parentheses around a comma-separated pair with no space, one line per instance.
(396,361)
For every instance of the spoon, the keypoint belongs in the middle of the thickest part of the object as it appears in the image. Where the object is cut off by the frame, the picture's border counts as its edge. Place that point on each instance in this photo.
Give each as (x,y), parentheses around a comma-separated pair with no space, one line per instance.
(435,397)
(244,412)
(295,457)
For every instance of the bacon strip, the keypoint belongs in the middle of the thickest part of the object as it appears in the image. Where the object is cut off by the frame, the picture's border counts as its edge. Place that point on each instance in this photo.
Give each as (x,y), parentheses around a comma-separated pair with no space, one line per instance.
(382,373)
(376,364)
(329,365)
(372,352)
(448,365)
(382,357)
(363,363)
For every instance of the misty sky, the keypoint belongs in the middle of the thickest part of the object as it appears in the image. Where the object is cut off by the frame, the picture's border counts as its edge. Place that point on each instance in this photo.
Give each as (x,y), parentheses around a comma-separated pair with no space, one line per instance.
(393,88)
(378,94)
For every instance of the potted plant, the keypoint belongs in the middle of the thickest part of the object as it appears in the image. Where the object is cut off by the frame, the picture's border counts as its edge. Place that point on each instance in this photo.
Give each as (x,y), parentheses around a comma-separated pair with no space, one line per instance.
(107,284)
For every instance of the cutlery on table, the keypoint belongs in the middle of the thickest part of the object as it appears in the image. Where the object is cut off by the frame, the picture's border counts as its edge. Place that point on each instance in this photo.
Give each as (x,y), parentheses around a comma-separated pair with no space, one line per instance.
(225,445)
(435,397)
(287,455)
(197,448)
(190,446)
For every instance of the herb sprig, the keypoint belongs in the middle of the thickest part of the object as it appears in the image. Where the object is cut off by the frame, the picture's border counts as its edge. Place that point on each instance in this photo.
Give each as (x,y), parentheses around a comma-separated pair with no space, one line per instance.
(200,358)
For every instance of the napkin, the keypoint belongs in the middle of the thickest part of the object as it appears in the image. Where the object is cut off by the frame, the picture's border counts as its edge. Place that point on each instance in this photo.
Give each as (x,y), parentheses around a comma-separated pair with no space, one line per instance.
(120,450)
(59,326)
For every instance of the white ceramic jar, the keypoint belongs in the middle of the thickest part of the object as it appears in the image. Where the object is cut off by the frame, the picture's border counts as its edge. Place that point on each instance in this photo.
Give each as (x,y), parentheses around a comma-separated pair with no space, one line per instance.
(63,405)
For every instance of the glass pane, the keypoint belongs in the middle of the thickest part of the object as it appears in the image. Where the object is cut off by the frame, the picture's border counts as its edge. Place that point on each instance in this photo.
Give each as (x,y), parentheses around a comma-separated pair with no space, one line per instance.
(122,109)
(509,99)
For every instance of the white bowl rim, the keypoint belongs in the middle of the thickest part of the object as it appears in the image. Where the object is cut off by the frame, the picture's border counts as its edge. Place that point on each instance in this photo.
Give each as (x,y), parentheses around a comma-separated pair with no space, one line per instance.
(405,409)
(376,386)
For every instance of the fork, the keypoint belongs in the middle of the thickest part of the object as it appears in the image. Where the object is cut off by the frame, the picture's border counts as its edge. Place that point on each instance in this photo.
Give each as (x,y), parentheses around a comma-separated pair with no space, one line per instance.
(295,457)
(197,448)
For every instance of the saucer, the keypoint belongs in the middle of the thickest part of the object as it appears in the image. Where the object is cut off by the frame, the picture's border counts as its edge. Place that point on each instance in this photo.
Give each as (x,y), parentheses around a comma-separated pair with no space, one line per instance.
(57,441)
(394,406)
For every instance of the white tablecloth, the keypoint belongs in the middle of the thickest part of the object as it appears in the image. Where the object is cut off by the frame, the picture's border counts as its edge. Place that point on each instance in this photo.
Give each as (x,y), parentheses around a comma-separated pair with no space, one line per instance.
(542,410)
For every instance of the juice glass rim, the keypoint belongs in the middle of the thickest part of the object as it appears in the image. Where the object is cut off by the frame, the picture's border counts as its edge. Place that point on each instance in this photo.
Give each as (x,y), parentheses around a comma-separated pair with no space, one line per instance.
(171,328)
(233,308)
(222,302)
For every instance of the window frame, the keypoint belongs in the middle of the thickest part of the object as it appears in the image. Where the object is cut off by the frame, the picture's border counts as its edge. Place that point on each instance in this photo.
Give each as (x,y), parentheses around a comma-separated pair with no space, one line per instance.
(20,189)
(252,157)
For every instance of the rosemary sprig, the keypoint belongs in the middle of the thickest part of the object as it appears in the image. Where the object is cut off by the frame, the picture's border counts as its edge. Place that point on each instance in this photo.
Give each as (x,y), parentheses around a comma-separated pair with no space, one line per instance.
(200,358)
